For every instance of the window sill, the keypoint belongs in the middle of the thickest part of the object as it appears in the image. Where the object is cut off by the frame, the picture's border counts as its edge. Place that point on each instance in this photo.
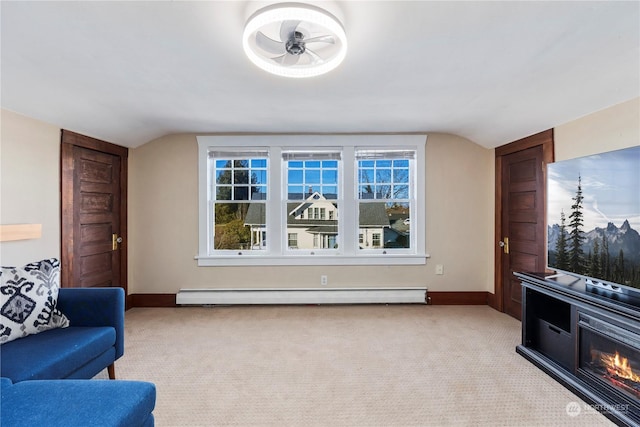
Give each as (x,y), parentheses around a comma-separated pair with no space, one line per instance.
(249,260)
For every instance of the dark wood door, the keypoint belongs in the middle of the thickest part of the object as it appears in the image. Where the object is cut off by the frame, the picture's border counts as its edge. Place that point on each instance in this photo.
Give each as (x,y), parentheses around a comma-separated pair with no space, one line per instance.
(524,231)
(521,230)
(93,227)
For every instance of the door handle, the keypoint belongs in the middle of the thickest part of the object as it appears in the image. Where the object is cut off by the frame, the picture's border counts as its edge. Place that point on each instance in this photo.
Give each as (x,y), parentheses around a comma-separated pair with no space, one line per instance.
(504,244)
(115,239)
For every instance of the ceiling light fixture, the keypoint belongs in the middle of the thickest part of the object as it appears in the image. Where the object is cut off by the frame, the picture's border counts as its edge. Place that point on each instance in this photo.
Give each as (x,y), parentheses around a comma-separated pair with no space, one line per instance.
(294,40)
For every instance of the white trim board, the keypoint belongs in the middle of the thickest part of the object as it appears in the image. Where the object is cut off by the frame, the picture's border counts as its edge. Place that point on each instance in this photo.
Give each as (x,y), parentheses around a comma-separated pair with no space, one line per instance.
(302,296)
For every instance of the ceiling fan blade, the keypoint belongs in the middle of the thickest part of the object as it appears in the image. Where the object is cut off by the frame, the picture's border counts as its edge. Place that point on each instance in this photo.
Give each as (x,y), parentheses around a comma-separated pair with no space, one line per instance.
(287,59)
(290,59)
(315,59)
(268,44)
(287,28)
(321,39)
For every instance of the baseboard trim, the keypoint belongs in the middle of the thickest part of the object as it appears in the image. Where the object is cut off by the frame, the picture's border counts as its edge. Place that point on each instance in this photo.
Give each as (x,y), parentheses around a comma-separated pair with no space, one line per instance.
(288,296)
(458,298)
(151,300)
(436,298)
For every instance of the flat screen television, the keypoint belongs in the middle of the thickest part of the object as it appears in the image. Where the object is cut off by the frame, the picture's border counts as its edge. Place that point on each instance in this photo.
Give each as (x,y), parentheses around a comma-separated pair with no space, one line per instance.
(593,219)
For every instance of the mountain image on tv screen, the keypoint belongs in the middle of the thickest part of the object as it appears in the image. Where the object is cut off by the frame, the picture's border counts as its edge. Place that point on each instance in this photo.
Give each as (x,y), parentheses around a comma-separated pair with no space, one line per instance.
(593,216)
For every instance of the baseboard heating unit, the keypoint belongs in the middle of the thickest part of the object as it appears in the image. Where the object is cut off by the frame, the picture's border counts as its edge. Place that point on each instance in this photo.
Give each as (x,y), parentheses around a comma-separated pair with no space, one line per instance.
(302,296)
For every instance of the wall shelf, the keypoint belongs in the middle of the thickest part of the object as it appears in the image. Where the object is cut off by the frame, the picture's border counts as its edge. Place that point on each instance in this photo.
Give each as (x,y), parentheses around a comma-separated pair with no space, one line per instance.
(11,232)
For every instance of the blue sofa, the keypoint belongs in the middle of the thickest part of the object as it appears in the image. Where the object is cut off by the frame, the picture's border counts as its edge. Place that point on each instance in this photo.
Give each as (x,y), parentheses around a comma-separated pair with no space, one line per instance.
(69,403)
(44,376)
(93,341)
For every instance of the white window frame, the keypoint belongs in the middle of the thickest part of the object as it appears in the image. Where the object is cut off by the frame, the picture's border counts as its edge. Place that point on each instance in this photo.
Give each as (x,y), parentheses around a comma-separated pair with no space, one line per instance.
(348,252)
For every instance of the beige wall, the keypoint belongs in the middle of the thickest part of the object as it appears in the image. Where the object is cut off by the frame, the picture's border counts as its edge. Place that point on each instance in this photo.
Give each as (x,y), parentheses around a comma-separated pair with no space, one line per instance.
(610,129)
(29,186)
(163,208)
(164,234)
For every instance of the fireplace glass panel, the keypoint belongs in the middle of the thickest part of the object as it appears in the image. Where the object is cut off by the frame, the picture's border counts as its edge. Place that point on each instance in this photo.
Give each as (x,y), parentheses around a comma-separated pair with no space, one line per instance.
(610,362)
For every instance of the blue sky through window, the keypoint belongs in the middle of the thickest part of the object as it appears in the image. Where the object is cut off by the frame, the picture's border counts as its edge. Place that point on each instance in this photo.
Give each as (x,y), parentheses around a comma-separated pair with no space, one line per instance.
(383,179)
(306,177)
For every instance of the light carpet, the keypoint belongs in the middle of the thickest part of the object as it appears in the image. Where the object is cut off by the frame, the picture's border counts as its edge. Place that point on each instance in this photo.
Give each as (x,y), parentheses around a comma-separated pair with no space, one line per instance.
(363,365)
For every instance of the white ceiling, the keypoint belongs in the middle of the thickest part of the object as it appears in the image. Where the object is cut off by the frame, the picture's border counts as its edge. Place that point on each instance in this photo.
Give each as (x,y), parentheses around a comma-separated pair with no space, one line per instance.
(493,72)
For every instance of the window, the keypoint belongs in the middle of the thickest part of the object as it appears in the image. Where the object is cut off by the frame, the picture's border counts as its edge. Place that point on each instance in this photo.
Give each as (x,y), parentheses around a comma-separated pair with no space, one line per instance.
(311,182)
(386,196)
(238,195)
(340,200)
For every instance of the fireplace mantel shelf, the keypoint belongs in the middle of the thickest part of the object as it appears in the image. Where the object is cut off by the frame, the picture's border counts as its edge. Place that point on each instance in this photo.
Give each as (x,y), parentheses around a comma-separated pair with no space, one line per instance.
(576,289)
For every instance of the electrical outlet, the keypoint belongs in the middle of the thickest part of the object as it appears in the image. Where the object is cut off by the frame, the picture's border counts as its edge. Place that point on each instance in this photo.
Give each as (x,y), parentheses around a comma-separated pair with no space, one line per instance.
(324,280)
(439,269)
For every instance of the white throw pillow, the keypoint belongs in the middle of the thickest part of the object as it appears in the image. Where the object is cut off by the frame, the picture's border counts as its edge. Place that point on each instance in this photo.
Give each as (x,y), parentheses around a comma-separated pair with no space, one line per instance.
(29,298)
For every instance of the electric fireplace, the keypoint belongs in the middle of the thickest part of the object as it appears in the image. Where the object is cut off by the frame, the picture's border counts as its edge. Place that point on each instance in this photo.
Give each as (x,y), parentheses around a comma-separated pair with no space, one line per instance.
(609,361)
(588,340)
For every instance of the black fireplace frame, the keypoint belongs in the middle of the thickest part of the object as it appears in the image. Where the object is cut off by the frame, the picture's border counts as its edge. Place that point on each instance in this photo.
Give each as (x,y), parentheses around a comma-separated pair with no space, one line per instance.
(607,330)
(554,311)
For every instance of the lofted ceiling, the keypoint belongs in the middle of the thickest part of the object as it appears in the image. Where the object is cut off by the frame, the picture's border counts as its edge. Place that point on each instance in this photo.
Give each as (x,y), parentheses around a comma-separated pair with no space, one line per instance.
(493,72)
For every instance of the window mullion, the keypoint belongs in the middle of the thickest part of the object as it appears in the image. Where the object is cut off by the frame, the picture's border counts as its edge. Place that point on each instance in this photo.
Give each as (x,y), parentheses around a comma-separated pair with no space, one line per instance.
(348,225)
(276,220)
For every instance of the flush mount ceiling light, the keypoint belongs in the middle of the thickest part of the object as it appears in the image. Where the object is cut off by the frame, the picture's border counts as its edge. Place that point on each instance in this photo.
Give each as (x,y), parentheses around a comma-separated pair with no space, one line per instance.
(294,40)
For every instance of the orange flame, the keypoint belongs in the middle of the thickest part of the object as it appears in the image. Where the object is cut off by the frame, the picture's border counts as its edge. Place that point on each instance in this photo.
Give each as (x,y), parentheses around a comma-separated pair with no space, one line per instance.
(619,366)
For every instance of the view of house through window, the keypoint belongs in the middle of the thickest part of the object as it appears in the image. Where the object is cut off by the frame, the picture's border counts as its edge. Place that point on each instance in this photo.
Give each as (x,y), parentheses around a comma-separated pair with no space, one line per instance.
(312,199)
(385,198)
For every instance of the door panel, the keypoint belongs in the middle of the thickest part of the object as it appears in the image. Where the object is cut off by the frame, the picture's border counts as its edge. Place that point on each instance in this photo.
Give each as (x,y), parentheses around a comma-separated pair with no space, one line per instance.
(99,216)
(94,209)
(520,217)
(523,173)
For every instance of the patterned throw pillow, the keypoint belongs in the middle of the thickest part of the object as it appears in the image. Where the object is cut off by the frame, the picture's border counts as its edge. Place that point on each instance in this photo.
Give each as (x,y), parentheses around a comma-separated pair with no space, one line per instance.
(28,300)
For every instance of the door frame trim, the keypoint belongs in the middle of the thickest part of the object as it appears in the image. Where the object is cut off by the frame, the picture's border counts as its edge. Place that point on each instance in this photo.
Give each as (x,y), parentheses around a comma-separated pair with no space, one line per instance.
(68,140)
(546,140)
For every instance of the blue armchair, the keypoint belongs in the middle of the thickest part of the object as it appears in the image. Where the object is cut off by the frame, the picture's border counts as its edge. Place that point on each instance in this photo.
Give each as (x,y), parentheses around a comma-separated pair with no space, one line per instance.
(93,341)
